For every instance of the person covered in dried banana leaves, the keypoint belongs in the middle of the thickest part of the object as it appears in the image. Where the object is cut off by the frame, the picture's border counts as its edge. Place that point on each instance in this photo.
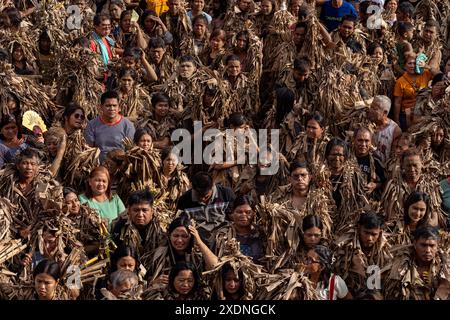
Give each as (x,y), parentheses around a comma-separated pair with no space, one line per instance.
(122,285)
(262,19)
(428,43)
(399,146)
(22,64)
(238,16)
(417,212)
(11,137)
(428,99)
(309,146)
(413,177)
(46,285)
(243,228)
(214,53)
(184,283)
(182,244)
(55,146)
(369,163)
(160,59)
(152,25)
(140,227)
(263,179)
(384,70)
(160,122)
(133,99)
(419,271)
(197,41)
(329,286)
(248,47)
(174,180)
(346,184)
(361,247)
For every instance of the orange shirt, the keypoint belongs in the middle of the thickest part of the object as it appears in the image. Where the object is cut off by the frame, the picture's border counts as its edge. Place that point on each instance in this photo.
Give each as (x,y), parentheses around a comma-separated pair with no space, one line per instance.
(407,88)
(158,6)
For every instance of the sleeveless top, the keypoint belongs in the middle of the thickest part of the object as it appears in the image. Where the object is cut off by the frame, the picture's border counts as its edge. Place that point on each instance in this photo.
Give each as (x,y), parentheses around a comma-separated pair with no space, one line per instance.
(383,140)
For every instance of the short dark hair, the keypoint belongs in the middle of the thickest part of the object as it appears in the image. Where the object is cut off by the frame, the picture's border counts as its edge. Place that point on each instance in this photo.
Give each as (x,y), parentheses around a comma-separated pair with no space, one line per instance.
(302,64)
(236,119)
(124,251)
(159,97)
(132,52)
(406,8)
(139,133)
(297,164)
(202,182)
(49,267)
(349,17)
(403,27)
(232,57)
(426,232)
(99,18)
(336,142)
(27,153)
(311,221)
(71,108)
(157,42)
(411,152)
(370,220)
(181,221)
(140,196)
(199,17)
(187,58)
(317,117)
(109,95)
(240,201)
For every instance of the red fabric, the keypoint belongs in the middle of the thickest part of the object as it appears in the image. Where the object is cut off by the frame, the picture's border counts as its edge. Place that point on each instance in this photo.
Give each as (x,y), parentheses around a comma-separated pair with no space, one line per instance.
(332,281)
(111,124)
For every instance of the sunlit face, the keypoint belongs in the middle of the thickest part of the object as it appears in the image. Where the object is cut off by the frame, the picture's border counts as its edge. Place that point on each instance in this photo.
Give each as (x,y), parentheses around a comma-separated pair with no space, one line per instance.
(266,7)
(426,249)
(376,112)
(179,238)
(50,242)
(198,5)
(242,216)
(76,119)
(110,109)
(126,263)
(162,109)
(123,288)
(104,28)
(392,6)
(437,137)
(346,29)
(125,24)
(401,146)
(184,282)
(244,5)
(99,183)
(45,286)
(170,162)
(115,11)
(51,143)
(175,6)
(217,43)
(295,7)
(368,237)
(378,55)
(410,65)
(241,43)
(145,142)
(200,28)
(234,68)
(313,129)
(128,62)
(363,143)
(186,69)
(429,34)
(336,158)
(231,283)
(127,83)
(140,214)
(412,168)
(149,23)
(157,54)
(312,236)
(28,168)
(417,211)
(10,131)
(313,265)
(72,203)
(300,179)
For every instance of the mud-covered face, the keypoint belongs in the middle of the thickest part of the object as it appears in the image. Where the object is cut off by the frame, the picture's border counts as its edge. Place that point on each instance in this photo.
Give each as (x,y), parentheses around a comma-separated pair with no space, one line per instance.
(412,168)
(300,179)
(336,158)
(346,29)
(368,237)
(186,69)
(243,215)
(184,282)
(426,249)
(234,68)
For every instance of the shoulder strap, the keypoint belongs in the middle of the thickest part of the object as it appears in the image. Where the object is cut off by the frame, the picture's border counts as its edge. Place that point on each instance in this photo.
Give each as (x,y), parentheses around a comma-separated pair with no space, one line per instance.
(331,291)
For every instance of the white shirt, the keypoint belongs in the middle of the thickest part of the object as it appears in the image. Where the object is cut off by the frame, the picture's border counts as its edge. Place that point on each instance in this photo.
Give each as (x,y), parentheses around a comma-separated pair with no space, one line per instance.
(340,289)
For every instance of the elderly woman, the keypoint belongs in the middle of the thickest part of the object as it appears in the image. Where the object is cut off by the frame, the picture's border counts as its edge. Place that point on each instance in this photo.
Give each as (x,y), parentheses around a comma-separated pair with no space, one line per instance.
(406,89)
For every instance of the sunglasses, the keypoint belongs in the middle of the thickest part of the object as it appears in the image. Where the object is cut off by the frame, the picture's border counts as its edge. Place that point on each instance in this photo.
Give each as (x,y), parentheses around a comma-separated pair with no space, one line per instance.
(79,116)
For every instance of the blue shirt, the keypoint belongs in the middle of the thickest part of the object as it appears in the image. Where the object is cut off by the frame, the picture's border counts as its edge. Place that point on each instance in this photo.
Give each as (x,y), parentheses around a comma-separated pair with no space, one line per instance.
(332,16)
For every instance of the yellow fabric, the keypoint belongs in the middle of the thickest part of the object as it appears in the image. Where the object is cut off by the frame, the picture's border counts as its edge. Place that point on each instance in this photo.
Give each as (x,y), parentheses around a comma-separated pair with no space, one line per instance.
(159,6)
(404,88)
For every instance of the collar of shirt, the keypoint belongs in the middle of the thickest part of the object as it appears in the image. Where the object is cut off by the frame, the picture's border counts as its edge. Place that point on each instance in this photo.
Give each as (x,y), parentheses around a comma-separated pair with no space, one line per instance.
(213,196)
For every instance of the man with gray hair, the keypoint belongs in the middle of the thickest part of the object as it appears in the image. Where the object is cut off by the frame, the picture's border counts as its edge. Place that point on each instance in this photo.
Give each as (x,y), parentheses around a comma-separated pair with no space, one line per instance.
(387,131)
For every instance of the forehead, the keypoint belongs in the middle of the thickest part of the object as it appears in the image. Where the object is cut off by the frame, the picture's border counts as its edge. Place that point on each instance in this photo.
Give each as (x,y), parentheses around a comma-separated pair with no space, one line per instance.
(347,23)
(186,64)
(373,230)
(337,149)
(300,171)
(234,62)
(429,241)
(413,159)
(363,134)
(111,101)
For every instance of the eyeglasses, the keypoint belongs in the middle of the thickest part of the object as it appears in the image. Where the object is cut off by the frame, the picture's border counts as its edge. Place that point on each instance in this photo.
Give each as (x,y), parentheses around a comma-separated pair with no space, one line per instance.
(309,260)
(79,116)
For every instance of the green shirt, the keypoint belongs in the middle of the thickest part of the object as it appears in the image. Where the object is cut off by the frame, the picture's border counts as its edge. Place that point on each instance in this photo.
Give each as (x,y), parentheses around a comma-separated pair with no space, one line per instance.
(109,209)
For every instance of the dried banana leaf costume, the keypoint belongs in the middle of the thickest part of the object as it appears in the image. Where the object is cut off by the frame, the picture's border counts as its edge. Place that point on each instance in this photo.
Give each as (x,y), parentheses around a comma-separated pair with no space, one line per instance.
(164,69)
(135,103)
(26,291)
(308,150)
(179,28)
(404,281)
(244,96)
(175,186)
(241,265)
(6,212)
(352,263)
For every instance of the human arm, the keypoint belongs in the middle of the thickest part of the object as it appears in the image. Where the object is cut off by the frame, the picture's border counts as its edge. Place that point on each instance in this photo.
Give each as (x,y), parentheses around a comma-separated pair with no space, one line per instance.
(397,108)
(150,75)
(54,167)
(210,258)
(89,134)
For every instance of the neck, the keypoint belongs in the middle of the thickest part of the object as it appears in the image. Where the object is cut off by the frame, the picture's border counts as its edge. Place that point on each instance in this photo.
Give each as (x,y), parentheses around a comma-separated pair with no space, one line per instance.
(68,129)
(336,171)
(300,193)
(314,277)
(412,225)
(241,230)
(111,120)
(423,264)
(167,172)
(100,197)
(26,181)
(158,117)
(196,12)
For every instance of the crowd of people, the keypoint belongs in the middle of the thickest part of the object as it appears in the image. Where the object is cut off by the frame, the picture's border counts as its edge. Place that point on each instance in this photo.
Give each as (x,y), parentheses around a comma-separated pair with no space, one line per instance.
(97,203)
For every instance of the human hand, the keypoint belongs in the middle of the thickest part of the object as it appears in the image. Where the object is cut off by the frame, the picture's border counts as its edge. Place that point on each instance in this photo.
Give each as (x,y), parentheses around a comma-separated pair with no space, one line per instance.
(193,230)
(26,261)
(370,187)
